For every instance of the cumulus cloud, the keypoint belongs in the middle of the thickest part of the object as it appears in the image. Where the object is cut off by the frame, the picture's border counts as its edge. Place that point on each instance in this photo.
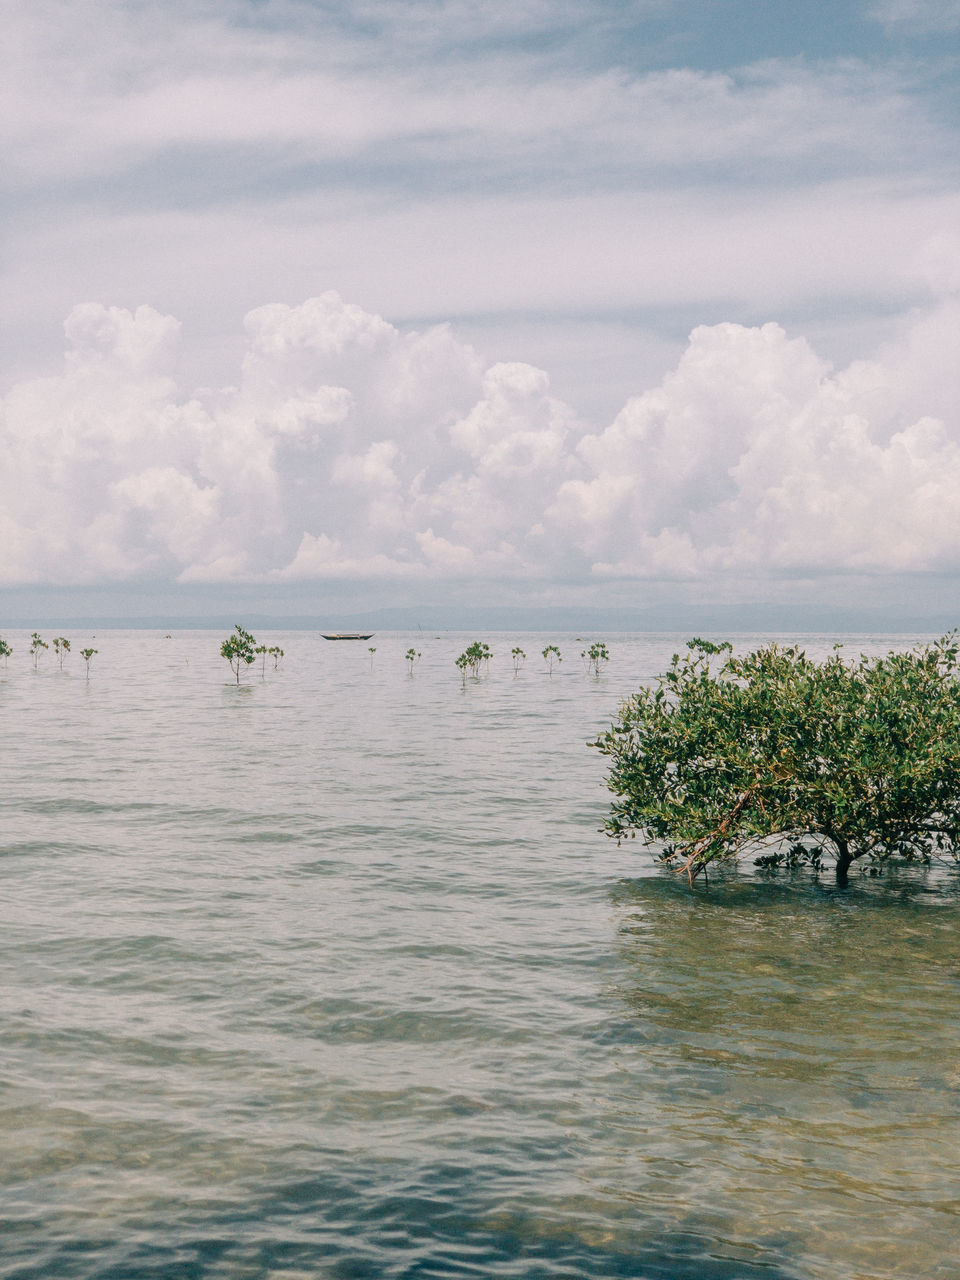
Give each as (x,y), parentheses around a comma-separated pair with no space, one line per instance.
(754,457)
(350,449)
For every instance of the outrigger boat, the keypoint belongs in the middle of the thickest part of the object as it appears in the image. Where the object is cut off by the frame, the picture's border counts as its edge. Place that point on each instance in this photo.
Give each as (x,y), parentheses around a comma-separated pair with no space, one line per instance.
(347,635)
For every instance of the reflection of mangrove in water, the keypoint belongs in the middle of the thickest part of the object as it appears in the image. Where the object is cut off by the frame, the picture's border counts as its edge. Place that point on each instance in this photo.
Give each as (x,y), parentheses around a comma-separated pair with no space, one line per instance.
(790,1068)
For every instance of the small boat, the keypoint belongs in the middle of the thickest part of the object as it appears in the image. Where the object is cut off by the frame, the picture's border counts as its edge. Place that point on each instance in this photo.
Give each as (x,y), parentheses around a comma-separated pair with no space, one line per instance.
(347,635)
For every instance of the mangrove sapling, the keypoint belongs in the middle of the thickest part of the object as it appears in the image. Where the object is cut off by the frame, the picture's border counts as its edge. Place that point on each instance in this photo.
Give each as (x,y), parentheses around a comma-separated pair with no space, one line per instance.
(239,650)
(371,652)
(263,651)
(277,653)
(5,650)
(594,656)
(474,657)
(86,655)
(478,654)
(61,647)
(793,758)
(551,654)
(412,656)
(36,647)
(519,658)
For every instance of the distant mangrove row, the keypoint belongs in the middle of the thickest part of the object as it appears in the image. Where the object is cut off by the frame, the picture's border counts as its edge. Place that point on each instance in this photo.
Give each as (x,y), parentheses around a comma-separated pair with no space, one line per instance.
(241,651)
(61,647)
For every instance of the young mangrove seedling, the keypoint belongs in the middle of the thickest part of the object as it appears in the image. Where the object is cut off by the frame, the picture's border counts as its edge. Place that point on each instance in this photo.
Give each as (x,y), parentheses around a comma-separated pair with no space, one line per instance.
(519,658)
(473,657)
(61,647)
(86,655)
(263,651)
(411,657)
(551,654)
(372,650)
(481,654)
(594,656)
(238,649)
(36,647)
(463,664)
(277,655)
(5,650)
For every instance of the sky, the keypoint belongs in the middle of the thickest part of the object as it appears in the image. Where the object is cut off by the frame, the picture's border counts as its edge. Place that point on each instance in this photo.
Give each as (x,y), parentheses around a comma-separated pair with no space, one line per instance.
(394,302)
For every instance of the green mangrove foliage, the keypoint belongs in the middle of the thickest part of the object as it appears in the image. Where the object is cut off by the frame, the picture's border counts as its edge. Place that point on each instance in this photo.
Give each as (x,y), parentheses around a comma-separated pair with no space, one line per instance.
(792,758)
(412,657)
(5,650)
(61,647)
(595,657)
(264,652)
(239,649)
(474,657)
(86,655)
(37,646)
(551,654)
(519,658)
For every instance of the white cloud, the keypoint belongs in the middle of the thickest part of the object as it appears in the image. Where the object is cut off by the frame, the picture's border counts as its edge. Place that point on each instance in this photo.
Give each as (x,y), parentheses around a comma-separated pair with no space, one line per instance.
(436,159)
(835,251)
(517,429)
(920,16)
(111,334)
(322,557)
(753,457)
(229,115)
(350,449)
(444,555)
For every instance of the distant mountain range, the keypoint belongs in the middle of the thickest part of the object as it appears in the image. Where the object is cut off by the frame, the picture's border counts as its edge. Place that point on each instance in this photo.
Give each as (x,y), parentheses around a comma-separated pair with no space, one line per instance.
(715,620)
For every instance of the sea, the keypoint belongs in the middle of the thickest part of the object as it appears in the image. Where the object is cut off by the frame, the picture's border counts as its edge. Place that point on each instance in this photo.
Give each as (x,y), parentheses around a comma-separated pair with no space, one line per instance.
(333,975)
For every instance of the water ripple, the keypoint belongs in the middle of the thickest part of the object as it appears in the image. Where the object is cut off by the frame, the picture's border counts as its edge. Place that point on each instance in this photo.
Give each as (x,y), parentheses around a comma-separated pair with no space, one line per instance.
(333,976)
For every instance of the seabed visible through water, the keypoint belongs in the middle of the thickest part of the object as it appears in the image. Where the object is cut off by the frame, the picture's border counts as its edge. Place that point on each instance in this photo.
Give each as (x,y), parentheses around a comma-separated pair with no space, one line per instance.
(333,975)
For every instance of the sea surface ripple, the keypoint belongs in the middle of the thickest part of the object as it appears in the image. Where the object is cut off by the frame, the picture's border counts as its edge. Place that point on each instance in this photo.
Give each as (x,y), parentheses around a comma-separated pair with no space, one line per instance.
(334,975)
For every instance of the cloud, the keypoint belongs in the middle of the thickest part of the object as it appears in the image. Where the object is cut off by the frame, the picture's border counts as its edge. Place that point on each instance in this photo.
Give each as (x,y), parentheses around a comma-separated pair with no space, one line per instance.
(531,163)
(530,168)
(921,17)
(839,251)
(350,449)
(215,108)
(321,557)
(754,458)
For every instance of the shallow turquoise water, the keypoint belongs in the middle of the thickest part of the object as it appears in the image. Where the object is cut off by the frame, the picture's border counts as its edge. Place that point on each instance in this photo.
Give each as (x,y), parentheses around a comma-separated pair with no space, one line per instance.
(332,975)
